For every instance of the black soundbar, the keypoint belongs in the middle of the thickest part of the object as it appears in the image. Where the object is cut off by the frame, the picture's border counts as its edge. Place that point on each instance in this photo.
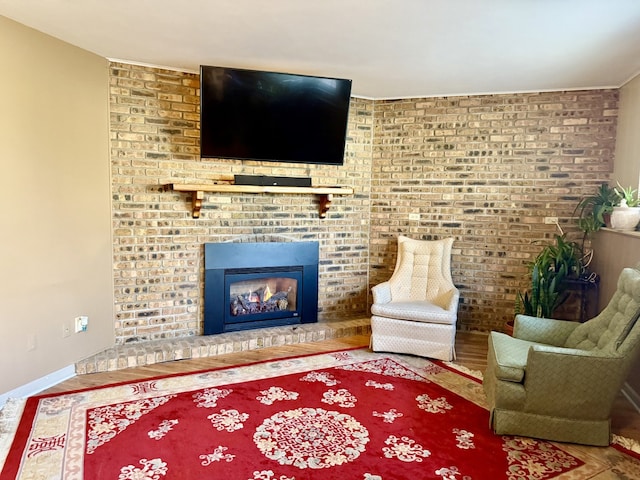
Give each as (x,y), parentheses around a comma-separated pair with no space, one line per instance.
(266,180)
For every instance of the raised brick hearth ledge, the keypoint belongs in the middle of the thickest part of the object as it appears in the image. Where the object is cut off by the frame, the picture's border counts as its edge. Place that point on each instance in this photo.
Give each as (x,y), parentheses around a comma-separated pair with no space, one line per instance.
(148,353)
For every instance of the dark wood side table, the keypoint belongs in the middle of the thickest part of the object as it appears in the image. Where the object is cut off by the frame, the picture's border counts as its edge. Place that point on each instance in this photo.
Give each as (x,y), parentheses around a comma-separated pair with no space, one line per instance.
(587,290)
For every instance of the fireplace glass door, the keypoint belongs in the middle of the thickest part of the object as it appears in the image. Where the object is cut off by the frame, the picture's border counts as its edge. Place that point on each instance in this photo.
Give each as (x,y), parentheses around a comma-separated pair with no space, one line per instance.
(262,295)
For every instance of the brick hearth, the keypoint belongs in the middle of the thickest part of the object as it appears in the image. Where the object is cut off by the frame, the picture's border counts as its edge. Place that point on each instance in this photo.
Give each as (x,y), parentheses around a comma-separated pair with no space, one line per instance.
(157,351)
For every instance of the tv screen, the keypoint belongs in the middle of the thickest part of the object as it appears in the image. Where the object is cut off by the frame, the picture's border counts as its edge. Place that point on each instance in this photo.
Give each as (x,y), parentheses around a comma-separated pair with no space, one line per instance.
(282,117)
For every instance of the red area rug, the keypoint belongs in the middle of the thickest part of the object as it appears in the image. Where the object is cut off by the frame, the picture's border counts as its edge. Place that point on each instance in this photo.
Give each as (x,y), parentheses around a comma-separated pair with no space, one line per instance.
(344,415)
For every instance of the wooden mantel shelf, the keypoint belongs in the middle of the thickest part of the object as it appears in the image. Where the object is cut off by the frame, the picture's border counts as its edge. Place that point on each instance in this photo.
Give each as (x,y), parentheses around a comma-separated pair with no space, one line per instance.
(325,194)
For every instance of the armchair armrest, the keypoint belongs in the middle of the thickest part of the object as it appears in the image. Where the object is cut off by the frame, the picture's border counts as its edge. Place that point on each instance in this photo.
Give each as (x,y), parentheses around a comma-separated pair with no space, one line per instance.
(381,293)
(572,383)
(452,298)
(543,330)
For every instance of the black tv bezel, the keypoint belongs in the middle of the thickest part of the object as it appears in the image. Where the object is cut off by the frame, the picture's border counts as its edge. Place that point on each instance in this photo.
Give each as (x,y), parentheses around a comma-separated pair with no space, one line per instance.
(218,155)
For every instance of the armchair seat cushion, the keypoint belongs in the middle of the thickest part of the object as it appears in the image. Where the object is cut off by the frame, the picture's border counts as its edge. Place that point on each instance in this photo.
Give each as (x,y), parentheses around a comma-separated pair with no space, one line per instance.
(510,355)
(417,311)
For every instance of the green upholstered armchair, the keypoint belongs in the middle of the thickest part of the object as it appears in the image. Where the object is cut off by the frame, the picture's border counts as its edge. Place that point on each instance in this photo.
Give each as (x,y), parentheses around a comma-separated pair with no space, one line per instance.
(556,379)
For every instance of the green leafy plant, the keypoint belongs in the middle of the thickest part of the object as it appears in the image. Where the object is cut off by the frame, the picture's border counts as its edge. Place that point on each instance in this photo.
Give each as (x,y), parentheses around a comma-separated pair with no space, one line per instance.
(553,265)
(544,296)
(595,207)
(588,225)
(629,195)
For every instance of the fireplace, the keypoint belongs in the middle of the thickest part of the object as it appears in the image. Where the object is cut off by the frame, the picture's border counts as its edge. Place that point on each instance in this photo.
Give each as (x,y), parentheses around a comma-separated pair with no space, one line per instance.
(256,285)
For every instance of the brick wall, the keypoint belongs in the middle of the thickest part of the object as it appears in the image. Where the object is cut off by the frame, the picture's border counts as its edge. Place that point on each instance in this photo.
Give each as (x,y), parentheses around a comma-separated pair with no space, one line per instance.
(486,170)
(158,247)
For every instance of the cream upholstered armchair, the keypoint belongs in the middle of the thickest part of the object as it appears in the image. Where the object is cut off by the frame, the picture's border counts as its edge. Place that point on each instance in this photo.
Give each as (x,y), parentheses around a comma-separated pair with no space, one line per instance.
(415,311)
(557,379)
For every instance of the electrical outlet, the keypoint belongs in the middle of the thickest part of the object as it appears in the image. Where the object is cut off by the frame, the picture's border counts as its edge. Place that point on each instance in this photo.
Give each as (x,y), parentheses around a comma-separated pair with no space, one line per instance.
(551,220)
(414,216)
(66,330)
(81,323)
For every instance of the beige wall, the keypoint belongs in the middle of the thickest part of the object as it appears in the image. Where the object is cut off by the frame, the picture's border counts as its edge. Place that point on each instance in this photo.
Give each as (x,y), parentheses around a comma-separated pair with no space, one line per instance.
(56,258)
(615,250)
(627,163)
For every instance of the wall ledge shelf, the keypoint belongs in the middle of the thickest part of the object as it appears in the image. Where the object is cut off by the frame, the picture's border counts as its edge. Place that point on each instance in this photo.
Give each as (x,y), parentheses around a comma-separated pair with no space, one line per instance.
(324,194)
(628,233)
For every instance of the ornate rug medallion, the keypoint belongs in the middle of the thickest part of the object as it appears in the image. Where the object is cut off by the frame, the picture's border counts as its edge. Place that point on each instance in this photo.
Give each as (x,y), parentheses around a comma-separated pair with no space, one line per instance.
(311,438)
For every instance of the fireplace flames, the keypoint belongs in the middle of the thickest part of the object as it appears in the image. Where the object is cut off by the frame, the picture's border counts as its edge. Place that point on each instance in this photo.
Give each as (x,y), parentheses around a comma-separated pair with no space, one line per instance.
(261,300)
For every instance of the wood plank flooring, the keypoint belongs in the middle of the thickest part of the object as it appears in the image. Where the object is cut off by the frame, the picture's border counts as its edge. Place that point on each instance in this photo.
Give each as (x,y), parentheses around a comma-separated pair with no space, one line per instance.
(471,352)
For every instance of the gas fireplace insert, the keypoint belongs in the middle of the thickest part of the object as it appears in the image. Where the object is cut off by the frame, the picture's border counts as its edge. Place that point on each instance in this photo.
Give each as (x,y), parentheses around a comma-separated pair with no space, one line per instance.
(255,285)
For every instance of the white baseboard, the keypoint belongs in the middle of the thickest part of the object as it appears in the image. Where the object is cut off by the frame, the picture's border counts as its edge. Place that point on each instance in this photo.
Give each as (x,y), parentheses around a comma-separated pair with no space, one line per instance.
(39,385)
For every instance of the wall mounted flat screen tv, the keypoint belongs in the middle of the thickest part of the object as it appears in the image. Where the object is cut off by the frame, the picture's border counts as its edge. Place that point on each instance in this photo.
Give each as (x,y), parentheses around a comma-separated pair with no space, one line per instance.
(282,117)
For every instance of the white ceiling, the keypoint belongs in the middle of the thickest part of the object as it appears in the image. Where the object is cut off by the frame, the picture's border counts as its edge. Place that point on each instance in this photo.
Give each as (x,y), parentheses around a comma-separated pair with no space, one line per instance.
(390,48)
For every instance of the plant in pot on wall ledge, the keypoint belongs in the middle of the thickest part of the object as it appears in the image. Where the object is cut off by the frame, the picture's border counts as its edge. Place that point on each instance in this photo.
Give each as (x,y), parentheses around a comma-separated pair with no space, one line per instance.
(626,215)
(548,272)
(597,211)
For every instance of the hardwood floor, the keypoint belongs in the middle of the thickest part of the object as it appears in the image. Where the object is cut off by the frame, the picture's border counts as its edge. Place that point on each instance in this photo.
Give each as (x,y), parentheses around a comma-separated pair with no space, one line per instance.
(471,352)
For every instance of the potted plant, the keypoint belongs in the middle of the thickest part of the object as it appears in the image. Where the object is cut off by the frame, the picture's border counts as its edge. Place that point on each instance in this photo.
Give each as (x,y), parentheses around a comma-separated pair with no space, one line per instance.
(629,195)
(551,267)
(594,211)
(618,208)
(548,272)
(626,215)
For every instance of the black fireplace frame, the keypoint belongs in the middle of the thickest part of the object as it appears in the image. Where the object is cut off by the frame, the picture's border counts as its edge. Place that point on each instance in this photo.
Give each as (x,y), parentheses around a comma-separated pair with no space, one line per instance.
(229,258)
